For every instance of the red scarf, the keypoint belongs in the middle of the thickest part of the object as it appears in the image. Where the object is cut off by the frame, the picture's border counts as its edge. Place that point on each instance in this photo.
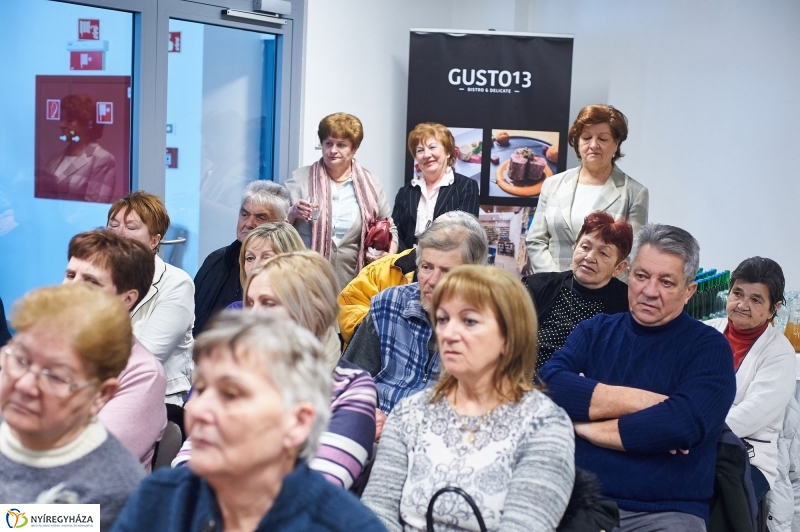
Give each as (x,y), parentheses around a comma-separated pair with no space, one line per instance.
(319,188)
(742,341)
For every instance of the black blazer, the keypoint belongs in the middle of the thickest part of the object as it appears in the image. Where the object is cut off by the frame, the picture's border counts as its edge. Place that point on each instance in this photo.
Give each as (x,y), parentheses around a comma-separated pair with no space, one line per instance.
(462,195)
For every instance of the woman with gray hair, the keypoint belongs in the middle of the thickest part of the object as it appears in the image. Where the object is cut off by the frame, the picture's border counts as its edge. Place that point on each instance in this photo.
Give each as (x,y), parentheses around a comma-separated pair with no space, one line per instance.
(262,389)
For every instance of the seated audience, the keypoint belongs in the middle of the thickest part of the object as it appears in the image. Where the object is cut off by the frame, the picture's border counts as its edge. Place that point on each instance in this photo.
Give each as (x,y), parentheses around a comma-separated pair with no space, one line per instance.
(302,284)
(565,299)
(764,362)
(435,188)
(162,320)
(651,436)
(217,283)
(395,342)
(484,427)
(123,267)
(262,243)
(58,372)
(262,388)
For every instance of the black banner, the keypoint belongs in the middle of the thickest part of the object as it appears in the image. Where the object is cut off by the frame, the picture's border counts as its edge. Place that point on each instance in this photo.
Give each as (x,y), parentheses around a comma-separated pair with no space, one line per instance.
(506,100)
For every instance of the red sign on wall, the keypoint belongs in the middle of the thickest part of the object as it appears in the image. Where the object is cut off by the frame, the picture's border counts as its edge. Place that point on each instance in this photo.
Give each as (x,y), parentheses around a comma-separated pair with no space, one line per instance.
(105,112)
(53,110)
(88,29)
(174,42)
(86,60)
(172,157)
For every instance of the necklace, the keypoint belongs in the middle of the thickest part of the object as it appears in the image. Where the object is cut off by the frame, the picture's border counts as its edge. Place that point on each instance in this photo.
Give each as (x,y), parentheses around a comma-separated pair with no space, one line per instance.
(470,437)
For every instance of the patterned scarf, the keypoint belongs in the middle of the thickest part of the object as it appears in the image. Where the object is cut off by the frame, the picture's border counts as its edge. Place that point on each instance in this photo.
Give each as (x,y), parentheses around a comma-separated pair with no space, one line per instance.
(319,188)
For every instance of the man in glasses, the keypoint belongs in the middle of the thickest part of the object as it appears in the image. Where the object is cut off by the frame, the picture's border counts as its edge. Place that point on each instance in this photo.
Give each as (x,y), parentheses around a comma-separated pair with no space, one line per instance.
(124,268)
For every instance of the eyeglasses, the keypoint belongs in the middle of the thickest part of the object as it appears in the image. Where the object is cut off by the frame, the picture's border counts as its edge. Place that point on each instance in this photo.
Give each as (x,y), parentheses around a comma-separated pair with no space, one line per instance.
(16,366)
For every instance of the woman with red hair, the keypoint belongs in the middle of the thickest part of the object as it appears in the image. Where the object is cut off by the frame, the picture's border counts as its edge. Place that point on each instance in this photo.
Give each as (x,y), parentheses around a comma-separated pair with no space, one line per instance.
(590,287)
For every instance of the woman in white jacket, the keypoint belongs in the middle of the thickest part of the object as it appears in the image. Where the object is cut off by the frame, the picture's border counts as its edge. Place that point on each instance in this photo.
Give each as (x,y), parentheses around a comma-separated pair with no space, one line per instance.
(163,320)
(764,361)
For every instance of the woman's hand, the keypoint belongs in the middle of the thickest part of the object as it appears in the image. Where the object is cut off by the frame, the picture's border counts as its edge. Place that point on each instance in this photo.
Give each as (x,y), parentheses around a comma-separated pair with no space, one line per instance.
(299,211)
(369,257)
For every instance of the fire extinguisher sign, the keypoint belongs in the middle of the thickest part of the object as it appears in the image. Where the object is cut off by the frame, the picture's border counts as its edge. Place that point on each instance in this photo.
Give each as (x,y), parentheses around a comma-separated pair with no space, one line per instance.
(105,112)
(53,110)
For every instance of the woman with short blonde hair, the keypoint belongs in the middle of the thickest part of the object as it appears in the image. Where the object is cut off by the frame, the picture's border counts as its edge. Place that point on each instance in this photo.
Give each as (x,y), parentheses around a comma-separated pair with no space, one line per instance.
(59,370)
(484,427)
(264,242)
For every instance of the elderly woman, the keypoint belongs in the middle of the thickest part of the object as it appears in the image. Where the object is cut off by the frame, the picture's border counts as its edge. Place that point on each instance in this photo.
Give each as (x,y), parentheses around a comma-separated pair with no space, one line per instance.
(59,370)
(346,200)
(163,320)
(764,361)
(262,243)
(302,284)
(596,185)
(484,428)
(565,299)
(436,189)
(260,406)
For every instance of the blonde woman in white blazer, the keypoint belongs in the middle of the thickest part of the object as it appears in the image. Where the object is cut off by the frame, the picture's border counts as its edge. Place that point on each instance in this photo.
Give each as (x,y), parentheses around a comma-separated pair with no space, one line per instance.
(764,360)
(163,320)
(597,185)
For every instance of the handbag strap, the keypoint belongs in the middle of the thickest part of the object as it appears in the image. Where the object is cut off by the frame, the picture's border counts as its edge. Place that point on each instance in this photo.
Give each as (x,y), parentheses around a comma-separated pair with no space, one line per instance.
(465,496)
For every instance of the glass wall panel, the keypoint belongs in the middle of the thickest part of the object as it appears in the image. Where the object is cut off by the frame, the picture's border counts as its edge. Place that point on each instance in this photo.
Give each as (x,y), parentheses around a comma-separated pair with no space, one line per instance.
(220,122)
(65,133)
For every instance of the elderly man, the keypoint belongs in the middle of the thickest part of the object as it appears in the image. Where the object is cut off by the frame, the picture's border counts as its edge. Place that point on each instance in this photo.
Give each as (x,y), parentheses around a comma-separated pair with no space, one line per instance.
(216,284)
(124,267)
(648,390)
(395,342)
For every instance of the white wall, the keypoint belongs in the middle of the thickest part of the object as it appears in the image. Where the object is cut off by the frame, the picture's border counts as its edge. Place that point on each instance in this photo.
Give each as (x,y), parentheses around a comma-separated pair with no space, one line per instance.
(711,93)
(710,89)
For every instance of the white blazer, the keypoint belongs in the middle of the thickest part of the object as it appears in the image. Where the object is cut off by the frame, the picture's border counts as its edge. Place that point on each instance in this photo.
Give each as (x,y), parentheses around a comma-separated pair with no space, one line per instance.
(765,382)
(163,321)
(551,236)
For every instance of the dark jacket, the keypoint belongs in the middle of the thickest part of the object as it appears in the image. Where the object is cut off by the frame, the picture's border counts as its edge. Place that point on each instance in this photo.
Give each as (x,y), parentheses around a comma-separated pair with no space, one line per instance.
(544,287)
(462,195)
(176,500)
(216,284)
(5,336)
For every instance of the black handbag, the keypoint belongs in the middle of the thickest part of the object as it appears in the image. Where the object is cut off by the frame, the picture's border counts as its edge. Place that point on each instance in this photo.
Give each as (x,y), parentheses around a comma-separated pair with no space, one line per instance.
(465,496)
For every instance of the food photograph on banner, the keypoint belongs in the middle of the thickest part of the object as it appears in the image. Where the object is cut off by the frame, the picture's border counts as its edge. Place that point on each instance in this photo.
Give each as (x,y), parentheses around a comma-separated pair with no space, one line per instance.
(469,152)
(521,161)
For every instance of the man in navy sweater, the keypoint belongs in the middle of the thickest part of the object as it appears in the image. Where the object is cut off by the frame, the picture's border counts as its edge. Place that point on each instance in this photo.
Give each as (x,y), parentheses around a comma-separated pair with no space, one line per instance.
(648,390)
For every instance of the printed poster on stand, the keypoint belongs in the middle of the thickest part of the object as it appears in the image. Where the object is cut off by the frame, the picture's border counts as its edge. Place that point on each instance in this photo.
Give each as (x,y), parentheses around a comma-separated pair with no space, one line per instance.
(505,98)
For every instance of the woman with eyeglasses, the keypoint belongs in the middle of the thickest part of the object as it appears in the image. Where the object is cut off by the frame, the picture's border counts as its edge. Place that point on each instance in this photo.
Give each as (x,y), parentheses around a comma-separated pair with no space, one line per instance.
(60,369)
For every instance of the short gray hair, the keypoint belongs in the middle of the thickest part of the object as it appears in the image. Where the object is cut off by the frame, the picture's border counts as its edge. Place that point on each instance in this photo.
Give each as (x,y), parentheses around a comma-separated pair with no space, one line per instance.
(456,229)
(670,239)
(293,360)
(269,194)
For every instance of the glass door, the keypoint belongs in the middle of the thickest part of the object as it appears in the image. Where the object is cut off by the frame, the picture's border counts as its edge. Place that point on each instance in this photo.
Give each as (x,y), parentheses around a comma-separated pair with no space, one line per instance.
(221,101)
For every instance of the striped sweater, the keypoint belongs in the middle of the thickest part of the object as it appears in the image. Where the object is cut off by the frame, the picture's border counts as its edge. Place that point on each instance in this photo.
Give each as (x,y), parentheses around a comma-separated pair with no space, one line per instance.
(347,444)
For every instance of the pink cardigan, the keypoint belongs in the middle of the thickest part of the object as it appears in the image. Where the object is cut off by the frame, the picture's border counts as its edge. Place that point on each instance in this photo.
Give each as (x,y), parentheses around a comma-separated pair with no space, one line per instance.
(137,415)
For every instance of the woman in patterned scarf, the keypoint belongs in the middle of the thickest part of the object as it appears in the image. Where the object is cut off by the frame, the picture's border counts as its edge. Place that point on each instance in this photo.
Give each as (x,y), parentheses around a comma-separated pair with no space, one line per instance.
(335,200)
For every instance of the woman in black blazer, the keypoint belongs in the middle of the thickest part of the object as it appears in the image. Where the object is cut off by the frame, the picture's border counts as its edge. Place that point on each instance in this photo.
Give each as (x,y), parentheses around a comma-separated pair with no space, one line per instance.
(436,188)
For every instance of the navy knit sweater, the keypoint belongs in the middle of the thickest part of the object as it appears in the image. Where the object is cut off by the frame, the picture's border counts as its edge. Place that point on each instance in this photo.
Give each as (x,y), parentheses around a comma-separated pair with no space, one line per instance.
(682,359)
